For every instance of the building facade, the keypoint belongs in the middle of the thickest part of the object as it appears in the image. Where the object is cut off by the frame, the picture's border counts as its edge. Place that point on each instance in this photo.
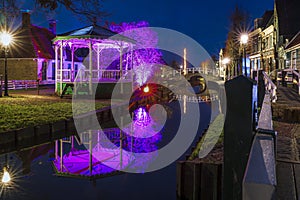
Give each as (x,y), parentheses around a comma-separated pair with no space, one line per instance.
(273,41)
(263,43)
(30,55)
(292,53)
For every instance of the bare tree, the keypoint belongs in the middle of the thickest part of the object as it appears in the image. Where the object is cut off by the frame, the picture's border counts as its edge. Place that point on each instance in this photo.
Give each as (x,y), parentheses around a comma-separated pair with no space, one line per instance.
(91,10)
(239,21)
(86,10)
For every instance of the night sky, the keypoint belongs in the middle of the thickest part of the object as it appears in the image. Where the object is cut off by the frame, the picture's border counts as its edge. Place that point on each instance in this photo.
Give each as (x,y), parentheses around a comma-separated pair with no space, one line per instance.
(206,21)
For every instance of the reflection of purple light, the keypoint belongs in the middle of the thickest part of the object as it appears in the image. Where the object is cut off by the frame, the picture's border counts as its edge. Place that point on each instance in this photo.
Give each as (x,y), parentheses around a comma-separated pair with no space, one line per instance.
(108,151)
(142,117)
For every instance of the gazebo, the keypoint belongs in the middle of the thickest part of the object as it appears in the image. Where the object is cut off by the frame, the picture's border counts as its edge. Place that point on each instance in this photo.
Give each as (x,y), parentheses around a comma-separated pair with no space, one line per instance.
(70,68)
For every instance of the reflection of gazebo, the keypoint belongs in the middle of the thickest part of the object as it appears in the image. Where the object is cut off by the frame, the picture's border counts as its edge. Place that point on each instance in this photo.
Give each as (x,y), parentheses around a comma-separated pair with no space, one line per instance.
(90,157)
(95,39)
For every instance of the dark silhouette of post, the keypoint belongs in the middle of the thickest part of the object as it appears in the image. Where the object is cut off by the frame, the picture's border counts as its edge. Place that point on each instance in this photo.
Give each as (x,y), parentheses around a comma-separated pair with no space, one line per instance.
(5,73)
(238,133)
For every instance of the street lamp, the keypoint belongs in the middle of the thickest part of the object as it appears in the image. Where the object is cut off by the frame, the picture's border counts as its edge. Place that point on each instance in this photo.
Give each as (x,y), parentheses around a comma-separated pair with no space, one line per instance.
(5,39)
(225,61)
(6,177)
(244,41)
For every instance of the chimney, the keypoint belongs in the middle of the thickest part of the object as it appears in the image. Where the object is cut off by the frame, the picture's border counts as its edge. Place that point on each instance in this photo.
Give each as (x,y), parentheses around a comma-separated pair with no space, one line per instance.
(52,26)
(26,19)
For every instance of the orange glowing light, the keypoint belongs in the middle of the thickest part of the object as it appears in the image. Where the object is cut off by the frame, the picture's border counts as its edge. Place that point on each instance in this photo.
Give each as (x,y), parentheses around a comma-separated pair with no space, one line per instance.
(146,89)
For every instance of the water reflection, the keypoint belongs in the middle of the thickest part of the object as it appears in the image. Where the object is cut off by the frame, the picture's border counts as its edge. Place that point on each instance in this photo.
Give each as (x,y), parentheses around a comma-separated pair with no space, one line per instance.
(31,170)
(97,153)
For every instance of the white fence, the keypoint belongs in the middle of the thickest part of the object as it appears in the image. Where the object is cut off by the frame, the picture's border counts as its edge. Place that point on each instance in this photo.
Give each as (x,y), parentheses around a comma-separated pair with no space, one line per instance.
(298,81)
(97,75)
(197,99)
(270,87)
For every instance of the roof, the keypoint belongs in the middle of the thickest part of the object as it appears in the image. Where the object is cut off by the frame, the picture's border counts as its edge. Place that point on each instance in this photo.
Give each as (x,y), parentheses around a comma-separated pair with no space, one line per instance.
(267,19)
(92,31)
(295,41)
(32,42)
(288,17)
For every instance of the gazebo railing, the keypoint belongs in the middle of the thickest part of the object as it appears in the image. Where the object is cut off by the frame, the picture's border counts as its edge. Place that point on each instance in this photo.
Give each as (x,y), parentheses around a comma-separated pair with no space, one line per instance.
(97,75)
(66,75)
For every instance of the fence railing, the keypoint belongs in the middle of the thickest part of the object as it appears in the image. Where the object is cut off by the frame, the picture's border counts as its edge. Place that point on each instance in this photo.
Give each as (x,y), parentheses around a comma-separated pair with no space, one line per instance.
(260,175)
(196,99)
(20,84)
(97,75)
(270,87)
(297,75)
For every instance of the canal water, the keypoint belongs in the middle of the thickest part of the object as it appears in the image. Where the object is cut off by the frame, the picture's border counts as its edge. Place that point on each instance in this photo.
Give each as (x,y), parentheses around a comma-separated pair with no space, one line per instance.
(35,171)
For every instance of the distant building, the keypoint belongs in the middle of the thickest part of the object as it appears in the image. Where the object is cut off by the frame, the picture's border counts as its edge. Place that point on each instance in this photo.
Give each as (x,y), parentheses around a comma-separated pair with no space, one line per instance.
(287,25)
(292,53)
(263,43)
(31,56)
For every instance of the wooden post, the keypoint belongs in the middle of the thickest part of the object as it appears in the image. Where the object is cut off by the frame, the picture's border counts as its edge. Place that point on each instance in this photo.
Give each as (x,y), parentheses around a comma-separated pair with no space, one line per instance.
(238,133)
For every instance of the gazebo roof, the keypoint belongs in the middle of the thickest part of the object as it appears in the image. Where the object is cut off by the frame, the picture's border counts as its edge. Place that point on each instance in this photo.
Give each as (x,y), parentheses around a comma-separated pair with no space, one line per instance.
(92,32)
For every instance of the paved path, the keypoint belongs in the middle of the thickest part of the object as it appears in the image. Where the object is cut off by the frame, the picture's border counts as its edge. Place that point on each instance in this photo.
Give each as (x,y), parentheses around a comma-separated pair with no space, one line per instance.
(288,160)
(288,95)
(286,111)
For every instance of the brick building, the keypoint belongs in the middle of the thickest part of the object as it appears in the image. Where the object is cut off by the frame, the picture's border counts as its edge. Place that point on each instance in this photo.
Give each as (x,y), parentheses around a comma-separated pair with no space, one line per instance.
(31,55)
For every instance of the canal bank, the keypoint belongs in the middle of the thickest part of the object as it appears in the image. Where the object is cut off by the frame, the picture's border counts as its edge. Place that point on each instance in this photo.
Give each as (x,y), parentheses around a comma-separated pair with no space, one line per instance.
(160,184)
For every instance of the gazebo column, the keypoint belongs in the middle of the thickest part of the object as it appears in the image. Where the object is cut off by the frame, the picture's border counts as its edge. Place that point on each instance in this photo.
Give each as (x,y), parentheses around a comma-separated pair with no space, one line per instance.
(131,70)
(72,64)
(90,68)
(56,66)
(61,67)
(121,68)
(98,62)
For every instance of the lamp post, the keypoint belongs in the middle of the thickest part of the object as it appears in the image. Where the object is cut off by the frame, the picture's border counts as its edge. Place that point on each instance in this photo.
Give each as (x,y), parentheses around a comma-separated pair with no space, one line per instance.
(225,61)
(244,41)
(5,39)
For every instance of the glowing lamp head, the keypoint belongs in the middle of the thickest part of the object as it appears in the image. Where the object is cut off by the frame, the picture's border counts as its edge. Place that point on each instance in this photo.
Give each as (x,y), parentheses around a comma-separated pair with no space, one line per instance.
(244,38)
(5,38)
(6,177)
(146,89)
(226,61)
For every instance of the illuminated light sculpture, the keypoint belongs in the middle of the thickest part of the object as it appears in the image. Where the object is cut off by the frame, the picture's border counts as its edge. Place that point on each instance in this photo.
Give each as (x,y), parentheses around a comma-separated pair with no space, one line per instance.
(6,177)
(142,59)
